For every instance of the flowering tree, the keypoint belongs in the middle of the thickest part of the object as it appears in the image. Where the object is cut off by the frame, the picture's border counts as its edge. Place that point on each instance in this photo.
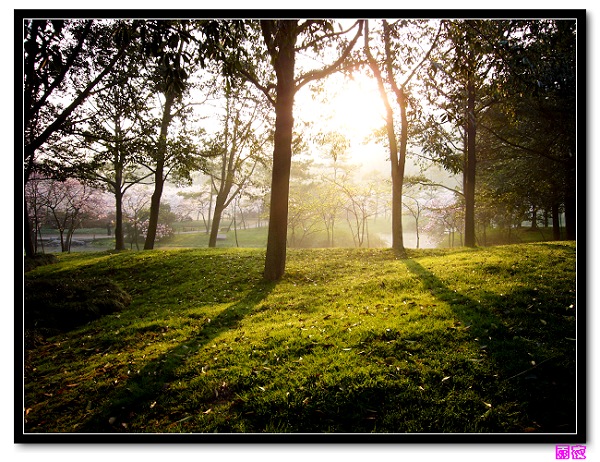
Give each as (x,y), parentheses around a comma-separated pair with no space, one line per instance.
(64,205)
(445,215)
(137,215)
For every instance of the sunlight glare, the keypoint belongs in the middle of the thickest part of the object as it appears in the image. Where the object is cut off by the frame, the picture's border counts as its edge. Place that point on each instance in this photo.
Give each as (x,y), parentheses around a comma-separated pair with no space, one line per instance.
(357,108)
(351,107)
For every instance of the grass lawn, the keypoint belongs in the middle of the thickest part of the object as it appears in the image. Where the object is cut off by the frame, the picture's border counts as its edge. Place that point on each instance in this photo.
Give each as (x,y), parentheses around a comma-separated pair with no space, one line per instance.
(453,341)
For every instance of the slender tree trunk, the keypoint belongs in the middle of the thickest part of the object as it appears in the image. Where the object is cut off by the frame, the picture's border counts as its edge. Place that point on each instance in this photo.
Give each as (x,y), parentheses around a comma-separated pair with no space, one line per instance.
(159,179)
(27,234)
(397,235)
(118,163)
(417,230)
(154,210)
(216,222)
(534,218)
(119,234)
(237,244)
(469,178)
(571,217)
(398,178)
(555,222)
(397,164)
(207,223)
(282,156)
(397,156)
(571,202)
(63,244)
(332,229)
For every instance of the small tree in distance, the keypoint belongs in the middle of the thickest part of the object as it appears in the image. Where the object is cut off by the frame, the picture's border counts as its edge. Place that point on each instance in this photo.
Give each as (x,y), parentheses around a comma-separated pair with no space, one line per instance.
(68,203)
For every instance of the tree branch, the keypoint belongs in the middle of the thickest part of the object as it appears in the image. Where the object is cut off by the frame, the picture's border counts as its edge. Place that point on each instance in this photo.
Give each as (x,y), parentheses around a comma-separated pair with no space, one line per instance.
(424,182)
(304,26)
(264,89)
(518,146)
(324,72)
(30,148)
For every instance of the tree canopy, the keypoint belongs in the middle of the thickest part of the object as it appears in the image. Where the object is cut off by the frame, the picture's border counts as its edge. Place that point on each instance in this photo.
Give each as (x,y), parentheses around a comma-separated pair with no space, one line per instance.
(116,102)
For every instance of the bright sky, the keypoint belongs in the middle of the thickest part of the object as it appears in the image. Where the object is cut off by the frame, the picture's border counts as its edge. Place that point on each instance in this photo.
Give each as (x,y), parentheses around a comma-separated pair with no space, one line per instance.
(351,107)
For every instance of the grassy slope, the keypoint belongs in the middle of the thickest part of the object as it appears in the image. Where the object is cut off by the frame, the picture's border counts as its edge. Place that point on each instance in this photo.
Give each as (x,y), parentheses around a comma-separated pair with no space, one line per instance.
(349,341)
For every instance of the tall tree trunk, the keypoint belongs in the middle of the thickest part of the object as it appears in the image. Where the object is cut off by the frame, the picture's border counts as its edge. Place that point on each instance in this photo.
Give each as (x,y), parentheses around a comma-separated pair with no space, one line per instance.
(118,163)
(555,222)
(207,223)
(397,154)
(417,231)
(571,216)
(27,233)
(282,154)
(397,235)
(570,198)
(216,221)
(119,234)
(159,179)
(534,218)
(399,162)
(154,208)
(469,174)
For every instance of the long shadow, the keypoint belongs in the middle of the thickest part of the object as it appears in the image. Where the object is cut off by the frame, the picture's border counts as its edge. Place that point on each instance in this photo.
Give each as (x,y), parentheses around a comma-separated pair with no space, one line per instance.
(544,389)
(154,378)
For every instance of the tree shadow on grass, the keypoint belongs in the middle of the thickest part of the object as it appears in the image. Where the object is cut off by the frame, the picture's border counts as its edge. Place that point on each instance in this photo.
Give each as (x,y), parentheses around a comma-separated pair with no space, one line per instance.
(154,379)
(532,352)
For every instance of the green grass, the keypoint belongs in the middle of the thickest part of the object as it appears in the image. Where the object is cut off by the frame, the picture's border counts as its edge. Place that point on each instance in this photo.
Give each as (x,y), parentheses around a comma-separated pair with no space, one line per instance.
(246,238)
(461,341)
(500,236)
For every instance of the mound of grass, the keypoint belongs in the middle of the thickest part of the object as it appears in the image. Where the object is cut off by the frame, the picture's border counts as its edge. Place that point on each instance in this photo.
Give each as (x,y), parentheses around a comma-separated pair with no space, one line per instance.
(30,263)
(63,302)
(452,341)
